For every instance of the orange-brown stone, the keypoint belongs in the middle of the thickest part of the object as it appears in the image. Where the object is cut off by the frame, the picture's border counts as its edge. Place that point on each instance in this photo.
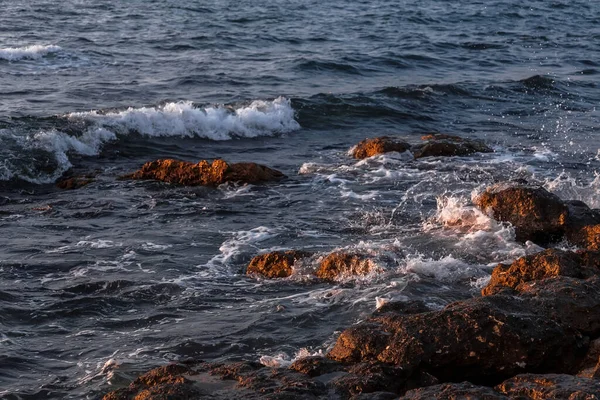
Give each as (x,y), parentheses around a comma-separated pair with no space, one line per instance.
(339,264)
(379,145)
(546,264)
(204,173)
(277,264)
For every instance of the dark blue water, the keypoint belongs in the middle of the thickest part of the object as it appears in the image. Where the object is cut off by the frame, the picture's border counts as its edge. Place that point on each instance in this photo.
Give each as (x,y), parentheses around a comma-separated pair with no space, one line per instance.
(102,283)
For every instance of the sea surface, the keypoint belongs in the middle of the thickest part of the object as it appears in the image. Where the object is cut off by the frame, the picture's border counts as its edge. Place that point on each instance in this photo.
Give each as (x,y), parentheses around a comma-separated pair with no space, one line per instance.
(102,283)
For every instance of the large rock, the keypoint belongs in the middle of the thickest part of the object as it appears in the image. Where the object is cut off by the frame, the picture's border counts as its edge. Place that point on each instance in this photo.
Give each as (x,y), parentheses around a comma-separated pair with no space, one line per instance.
(339,265)
(454,391)
(539,328)
(535,213)
(550,386)
(440,145)
(379,145)
(205,173)
(277,264)
(546,264)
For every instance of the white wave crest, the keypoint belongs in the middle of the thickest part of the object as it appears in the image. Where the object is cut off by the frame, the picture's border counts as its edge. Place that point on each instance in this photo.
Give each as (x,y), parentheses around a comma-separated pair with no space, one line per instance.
(260,118)
(29,52)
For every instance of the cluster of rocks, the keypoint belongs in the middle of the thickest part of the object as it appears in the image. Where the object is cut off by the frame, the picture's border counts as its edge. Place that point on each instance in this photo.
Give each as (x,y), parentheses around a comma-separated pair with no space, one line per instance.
(534,333)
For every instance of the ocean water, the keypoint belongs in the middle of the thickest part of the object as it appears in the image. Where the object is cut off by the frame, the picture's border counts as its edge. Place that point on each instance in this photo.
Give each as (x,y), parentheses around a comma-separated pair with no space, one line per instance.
(102,283)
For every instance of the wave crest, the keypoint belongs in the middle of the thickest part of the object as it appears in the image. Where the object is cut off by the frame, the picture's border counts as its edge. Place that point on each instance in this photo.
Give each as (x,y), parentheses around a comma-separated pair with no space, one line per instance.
(28,52)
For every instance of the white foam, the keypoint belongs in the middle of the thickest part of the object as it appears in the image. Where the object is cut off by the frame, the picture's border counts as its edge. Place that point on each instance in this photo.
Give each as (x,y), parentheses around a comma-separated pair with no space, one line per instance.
(446,269)
(28,52)
(260,118)
(283,360)
(568,188)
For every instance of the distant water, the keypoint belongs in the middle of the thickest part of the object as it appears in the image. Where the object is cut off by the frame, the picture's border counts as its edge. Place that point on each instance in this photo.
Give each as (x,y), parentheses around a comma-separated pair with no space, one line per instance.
(102,283)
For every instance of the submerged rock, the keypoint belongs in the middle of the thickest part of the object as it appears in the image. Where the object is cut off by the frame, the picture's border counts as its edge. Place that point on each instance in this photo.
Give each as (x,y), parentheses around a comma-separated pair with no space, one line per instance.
(277,264)
(205,173)
(339,264)
(73,183)
(441,145)
(535,213)
(379,145)
(550,386)
(454,391)
(546,264)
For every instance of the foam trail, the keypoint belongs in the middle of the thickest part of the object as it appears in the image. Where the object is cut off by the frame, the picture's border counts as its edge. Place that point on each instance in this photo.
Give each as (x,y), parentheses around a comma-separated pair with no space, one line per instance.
(29,52)
(260,118)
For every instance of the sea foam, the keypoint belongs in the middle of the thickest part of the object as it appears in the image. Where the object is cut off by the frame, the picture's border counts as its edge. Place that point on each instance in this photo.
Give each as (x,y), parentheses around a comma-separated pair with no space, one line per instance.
(28,53)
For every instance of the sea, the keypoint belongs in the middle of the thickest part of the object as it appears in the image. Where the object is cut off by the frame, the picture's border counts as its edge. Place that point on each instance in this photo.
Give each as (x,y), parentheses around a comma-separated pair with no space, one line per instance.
(102,283)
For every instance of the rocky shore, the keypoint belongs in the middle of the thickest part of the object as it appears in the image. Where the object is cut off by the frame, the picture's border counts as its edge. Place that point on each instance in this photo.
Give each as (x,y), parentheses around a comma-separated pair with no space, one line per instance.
(533,333)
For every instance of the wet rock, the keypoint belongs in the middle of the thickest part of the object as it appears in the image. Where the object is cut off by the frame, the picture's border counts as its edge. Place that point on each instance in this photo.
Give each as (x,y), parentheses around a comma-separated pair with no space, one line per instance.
(404,307)
(587,237)
(546,264)
(583,225)
(550,386)
(379,145)
(167,382)
(73,183)
(484,340)
(590,367)
(277,264)
(338,265)
(454,391)
(205,173)
(441,145)
(535,213)
(315,366)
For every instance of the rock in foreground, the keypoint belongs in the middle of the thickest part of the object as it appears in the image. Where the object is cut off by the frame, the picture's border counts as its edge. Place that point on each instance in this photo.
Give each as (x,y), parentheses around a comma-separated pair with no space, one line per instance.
(440,145)
(338,265)
(205,173)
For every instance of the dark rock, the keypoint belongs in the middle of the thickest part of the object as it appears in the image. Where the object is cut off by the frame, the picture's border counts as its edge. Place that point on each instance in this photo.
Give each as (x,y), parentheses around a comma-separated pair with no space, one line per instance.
(205,173)
(546,264)
(583,226)
(535,213)
(379,145)
(454,391)
(315,366)
(277,264)
(590,367)
(404,307)
(337,265)
(484,340)
(550,386)
(440,145)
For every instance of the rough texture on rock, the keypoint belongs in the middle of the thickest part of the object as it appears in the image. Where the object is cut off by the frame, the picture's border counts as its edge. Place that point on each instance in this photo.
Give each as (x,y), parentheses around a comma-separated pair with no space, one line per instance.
(485,339)
(205,173)
(338,264)
(587,237)
(535,213)
(550,386)
(441,145)
(165,382)
(454,391)
(277,264)
(315,366)
(379,145)
(590,367)
(546,264)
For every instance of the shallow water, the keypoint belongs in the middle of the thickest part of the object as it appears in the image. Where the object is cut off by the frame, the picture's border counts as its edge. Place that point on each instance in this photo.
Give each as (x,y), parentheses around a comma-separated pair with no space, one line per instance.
(102,283)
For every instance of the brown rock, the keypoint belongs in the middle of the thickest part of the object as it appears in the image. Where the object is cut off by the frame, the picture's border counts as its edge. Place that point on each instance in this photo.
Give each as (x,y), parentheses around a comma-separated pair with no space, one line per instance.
(485,339)
(204,173)
(546,264)
(379,145)
(441,145)
(315,366)
(535,213)
(550,386)
(73,183)
(277,264)
(167,382)
(454,391)
(338,264)
(587,237)
(583,226)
